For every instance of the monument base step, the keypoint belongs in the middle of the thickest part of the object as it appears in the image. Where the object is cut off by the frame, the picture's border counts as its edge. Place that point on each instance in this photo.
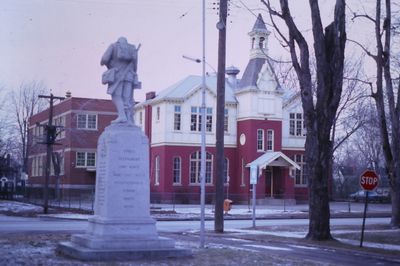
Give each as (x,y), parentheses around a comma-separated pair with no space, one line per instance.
(117,243)
(79,252)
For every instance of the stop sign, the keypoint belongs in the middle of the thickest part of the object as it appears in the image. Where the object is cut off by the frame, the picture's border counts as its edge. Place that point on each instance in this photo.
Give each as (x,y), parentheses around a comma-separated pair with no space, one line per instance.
(369,180)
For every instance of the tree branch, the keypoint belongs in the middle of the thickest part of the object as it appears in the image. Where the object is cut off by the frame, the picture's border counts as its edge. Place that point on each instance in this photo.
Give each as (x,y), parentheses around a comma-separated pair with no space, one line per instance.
(362,16)
(363,48)
(348,135)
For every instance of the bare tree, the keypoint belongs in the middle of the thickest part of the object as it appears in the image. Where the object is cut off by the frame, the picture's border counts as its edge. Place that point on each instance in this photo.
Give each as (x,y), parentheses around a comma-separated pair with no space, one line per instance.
(329,48)
(351,114)
(24,104)
(386,101)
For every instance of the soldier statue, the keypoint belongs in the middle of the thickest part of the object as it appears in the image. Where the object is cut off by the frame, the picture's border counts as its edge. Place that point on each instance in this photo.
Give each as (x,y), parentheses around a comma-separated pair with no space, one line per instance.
(121,76)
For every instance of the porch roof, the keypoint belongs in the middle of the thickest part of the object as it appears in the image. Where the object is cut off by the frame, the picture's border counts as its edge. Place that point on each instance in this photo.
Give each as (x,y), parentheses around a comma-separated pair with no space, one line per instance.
(273,159)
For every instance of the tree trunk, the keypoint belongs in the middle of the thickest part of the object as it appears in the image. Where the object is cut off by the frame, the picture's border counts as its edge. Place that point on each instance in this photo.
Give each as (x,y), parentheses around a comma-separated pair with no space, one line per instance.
(390,137)
(319,117)
(318,161)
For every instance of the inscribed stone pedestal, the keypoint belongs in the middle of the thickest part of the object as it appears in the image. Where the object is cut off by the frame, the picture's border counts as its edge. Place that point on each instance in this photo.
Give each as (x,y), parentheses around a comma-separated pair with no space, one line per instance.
(121,227)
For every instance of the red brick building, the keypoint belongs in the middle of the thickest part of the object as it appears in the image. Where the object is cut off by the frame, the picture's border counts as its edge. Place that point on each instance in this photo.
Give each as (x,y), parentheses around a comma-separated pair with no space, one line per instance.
(83,121)
(264,128)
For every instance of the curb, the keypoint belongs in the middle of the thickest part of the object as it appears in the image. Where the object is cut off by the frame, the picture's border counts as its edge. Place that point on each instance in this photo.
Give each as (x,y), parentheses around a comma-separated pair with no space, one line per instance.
(245,217)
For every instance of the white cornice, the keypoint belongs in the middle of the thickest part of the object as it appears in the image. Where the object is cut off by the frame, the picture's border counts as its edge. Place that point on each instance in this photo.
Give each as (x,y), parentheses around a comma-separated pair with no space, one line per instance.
(177,144)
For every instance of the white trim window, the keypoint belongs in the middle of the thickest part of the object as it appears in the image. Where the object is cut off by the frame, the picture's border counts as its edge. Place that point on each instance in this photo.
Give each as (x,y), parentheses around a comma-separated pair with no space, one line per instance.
(177,117)
(86,121)
(260,139)
(37,166)
(195,165)
(38,134)
(158,113)
(58,155)
(209,116)
(176,170)
(157,171)
(226,119)
(60,123)
(195,119)
(85,159)
(242,175)
(296,125)
(270,140)
(300,175)
(226,171)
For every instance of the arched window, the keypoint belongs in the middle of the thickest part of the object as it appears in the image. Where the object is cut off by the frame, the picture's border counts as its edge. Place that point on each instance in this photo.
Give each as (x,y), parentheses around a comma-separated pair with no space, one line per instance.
(195,165)
(262,39)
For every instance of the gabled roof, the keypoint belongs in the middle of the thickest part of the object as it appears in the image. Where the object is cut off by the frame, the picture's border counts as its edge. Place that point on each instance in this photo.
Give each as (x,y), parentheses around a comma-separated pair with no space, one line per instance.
(250,75)
(189,85)
(290,96)
(273,159)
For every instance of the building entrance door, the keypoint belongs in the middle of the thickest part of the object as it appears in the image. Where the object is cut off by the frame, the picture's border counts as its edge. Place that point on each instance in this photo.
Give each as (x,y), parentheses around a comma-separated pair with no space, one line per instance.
(269,182)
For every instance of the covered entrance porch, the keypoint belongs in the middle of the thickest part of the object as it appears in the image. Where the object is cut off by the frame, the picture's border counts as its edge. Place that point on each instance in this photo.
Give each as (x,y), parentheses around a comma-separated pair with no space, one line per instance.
(275,179)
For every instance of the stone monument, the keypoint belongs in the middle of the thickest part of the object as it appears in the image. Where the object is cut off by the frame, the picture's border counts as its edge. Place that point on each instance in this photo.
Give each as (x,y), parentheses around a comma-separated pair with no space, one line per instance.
(121,228)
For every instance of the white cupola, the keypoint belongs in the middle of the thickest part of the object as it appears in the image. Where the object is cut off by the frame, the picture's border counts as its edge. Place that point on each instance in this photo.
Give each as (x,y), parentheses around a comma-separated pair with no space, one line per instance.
(259,39)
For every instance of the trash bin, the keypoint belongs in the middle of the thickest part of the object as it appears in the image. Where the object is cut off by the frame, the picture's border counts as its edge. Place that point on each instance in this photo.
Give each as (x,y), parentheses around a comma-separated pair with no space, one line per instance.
(227,205)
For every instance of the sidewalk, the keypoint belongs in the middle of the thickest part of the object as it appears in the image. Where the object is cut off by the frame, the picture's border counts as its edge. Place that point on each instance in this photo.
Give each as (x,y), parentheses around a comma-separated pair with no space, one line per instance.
(168,212)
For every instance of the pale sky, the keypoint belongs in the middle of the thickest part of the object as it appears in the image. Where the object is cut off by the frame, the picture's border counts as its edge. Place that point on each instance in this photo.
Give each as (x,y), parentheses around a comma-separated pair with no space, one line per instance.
(61,41)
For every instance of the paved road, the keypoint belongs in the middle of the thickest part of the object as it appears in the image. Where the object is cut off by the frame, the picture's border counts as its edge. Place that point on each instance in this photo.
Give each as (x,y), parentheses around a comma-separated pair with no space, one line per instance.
(10,224)
(301,251)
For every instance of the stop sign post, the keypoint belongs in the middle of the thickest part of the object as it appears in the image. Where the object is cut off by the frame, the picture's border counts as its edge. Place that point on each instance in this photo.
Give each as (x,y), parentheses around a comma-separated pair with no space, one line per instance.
(369,181)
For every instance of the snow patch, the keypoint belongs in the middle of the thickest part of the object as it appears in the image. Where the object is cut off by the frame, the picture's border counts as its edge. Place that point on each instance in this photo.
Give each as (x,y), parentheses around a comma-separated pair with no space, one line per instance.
(269,247)
(303,247)
(238,240)
(18,207)
(370,244)
(257,232)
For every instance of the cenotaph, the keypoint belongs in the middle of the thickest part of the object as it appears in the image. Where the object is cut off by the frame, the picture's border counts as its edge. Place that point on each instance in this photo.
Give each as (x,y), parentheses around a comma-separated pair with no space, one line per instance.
(121,228)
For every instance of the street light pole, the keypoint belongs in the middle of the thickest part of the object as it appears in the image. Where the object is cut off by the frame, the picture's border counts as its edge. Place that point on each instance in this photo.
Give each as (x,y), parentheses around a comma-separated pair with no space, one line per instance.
(203,128)
(203,134)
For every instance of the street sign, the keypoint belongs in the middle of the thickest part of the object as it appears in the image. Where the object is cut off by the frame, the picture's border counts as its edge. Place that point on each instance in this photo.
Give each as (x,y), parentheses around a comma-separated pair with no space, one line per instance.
(253,174)
(369,180)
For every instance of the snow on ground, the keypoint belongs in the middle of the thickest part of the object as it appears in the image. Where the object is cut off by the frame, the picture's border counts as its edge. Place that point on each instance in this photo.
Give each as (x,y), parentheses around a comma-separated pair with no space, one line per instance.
(370,244)
(18,207)
(192,211)
(268,247)
(272,233)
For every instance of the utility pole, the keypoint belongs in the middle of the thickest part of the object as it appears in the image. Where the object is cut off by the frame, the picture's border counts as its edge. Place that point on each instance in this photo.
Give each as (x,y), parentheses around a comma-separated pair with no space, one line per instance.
(50,141)
(220,157)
